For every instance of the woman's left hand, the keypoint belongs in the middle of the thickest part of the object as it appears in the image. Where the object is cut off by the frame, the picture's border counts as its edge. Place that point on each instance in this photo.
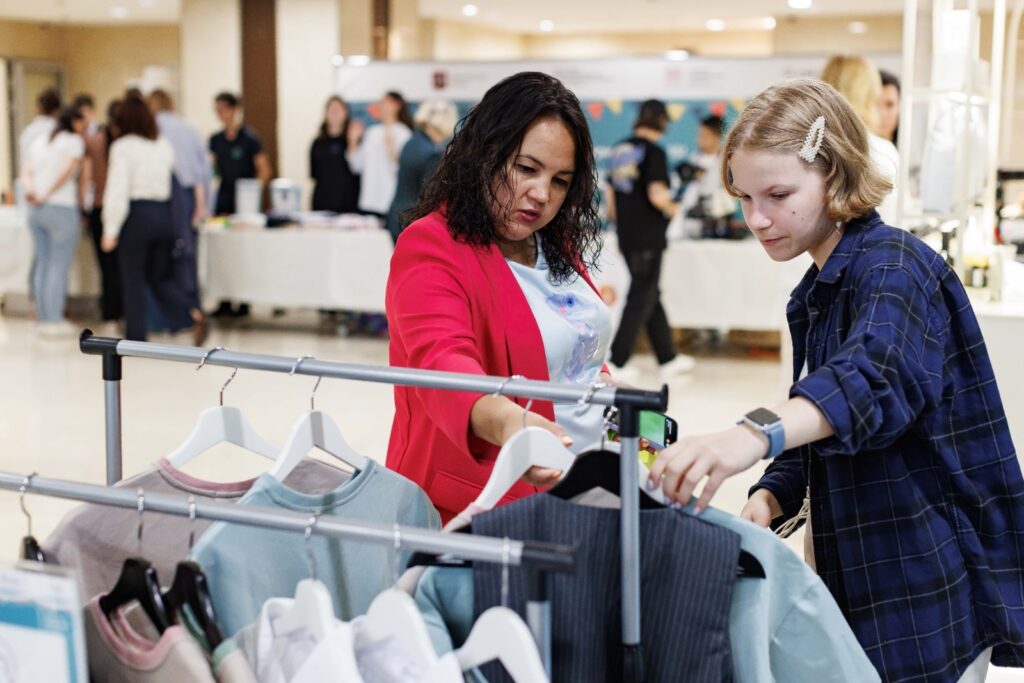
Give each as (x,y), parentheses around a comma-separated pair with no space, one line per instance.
(681,466)
(108,244)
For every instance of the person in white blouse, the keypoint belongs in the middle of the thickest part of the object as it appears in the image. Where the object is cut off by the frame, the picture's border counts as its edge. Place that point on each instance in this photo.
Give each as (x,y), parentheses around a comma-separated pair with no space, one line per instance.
(860,84)
(49,179)
(375,156)
(137,219)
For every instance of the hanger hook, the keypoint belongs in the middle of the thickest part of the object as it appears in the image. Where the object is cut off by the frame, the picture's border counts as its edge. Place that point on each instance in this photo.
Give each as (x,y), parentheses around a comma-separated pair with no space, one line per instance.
(585,399)
(142,508)
(191,524)
(398,551)
(526,411)
(310,557)
(226,385)
(312,396)
(501,387)
(206,356)
(21,499)
(506,560)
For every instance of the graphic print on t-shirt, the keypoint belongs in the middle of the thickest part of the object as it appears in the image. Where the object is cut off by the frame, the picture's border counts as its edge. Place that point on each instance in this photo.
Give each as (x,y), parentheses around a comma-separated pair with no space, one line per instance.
(580,315)
(624,167)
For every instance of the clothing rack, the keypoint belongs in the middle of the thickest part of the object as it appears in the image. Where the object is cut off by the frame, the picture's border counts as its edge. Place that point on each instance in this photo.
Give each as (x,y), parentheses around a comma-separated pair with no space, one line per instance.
(628,401)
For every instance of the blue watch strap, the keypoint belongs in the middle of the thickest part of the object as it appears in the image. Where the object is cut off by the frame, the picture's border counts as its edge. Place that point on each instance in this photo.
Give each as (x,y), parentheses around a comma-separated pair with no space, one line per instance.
(776,434)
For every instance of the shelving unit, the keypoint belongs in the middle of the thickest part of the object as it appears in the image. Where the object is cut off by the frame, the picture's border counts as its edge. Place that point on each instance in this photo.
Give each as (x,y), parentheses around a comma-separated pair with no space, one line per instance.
(948,83)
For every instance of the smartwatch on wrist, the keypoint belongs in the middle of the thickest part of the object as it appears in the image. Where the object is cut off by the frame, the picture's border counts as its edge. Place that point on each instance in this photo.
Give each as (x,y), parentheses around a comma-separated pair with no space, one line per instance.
(769,424)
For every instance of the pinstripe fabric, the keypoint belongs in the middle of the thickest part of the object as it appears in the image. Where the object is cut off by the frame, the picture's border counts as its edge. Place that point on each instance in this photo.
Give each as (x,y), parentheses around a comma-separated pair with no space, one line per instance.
(918,500)
(687,573)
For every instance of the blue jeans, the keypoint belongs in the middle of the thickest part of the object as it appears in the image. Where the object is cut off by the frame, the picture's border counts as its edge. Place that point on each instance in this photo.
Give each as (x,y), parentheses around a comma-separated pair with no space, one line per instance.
(55,237)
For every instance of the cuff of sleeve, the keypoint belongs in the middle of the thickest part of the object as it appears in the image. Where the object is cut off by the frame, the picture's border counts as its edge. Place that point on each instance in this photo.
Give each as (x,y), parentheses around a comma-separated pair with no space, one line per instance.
(819,389)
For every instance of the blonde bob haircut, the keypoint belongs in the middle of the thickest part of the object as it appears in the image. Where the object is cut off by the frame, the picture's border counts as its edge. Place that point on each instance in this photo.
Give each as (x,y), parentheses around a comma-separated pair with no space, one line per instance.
(779,119)
(857,81)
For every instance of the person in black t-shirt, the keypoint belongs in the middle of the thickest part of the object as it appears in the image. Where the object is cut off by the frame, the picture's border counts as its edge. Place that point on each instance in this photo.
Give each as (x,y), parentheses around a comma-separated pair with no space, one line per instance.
(337,187)
(642,207)
(237,153)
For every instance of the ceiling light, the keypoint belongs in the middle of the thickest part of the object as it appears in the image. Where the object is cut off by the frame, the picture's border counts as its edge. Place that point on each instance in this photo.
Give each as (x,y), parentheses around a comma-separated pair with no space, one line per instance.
(800,4)
(768,23)
(547,26)
(677,55)
(470,10)
(715,24)
(337,60)
(857,27)
(119,11)
(359,60)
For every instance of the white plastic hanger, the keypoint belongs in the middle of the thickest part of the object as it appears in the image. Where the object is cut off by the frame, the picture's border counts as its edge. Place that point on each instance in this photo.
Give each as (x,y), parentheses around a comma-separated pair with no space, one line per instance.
(315,429)
(529,447)
(393,614)
(500,634)
(220,424)
(313,608)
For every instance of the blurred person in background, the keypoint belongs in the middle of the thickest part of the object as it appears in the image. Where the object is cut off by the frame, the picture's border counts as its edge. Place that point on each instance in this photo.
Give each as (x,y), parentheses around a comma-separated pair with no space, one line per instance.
(86,105)
(237,153)
(50,182)
(188,199)
(861,85)
(435,122)
(47,109)
(374,154)
(94,174)
(137,219)
(336,187)
(642,207)
(705,201)
(889,108)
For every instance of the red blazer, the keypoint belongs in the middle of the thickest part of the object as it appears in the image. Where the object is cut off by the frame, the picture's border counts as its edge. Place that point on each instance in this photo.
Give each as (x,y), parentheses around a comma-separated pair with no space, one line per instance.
(455,307)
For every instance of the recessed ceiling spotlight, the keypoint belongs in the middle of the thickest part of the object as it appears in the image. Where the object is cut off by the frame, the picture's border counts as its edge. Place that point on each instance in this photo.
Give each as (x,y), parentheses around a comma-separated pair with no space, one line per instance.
(768,23)
(359,60)
(857,27)
(337,60)
(715,24)
(547,26)
(470,10)
(800,4)
(119,11)
(677,55)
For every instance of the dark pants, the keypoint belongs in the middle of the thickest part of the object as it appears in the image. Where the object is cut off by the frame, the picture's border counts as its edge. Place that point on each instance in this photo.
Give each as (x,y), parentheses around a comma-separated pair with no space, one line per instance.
(145,254)
(643,309)
(183,264)
(110,271)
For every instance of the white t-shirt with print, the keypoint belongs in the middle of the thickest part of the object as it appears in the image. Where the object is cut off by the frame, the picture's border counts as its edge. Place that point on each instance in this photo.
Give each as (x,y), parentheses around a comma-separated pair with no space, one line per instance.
(576,327)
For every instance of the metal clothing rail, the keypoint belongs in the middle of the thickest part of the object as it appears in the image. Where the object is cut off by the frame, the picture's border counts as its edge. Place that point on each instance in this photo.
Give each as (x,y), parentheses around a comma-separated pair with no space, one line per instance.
(628,401)
(539,556)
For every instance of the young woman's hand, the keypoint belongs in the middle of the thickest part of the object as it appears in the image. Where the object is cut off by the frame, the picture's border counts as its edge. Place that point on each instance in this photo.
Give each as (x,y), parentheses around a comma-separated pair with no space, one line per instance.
(683,465)
(761,508)
(355,132)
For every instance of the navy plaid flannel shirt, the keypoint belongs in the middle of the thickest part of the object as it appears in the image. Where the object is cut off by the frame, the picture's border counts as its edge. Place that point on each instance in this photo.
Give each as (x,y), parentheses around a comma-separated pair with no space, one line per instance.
(917,501)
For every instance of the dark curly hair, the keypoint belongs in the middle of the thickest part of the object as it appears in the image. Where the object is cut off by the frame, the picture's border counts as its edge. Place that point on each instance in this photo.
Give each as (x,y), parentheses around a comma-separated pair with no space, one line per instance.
(476,164)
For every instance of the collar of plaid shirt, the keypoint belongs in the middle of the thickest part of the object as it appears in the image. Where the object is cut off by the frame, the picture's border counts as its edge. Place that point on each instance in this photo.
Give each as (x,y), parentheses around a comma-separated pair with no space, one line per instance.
(917,499)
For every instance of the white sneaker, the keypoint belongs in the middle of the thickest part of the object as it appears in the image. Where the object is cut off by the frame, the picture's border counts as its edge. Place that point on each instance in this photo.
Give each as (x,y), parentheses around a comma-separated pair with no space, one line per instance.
(679,365)
(59,329)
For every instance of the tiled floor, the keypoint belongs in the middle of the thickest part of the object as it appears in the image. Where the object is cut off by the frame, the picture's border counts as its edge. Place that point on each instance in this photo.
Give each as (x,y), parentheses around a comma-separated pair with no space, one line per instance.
(51,410)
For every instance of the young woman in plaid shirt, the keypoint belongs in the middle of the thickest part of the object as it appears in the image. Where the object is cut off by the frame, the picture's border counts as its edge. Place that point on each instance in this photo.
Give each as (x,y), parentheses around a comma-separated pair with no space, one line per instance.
(894,438)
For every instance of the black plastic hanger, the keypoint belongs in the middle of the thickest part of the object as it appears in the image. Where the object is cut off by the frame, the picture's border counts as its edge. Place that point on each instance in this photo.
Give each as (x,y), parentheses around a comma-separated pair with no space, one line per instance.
(138,583)
(596,469)
(190,589)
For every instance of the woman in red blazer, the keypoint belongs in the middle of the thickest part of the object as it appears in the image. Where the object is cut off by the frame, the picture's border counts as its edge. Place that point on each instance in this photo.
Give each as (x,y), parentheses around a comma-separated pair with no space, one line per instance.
(514,190)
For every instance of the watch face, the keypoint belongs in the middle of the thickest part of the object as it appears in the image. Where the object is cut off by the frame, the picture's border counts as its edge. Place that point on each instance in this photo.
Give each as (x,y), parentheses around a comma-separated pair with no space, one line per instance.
(762,417)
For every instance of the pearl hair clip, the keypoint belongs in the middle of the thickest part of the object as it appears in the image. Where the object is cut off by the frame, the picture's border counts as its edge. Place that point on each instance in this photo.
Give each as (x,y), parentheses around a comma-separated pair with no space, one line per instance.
(815,136)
